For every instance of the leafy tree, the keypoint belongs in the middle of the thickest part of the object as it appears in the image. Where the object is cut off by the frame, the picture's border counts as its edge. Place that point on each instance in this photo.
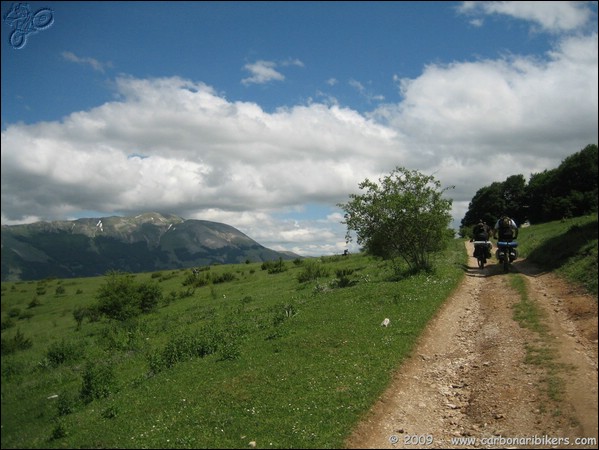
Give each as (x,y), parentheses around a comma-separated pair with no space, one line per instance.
(576,183)
(514,198)
(483,206)
(540,190)
(405,216)
(569,190)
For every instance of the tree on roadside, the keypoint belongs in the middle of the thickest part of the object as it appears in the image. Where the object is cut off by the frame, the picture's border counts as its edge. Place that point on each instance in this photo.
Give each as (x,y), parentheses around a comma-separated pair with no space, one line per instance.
(403,216)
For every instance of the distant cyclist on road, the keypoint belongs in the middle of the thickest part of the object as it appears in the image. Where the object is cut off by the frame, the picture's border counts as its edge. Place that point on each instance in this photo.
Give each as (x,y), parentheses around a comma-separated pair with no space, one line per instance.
(505,229)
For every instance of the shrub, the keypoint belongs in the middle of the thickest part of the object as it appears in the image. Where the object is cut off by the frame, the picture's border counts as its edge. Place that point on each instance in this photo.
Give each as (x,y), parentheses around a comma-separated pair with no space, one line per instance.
(7,323)
(312,271)
(14,312)
(274,266)
(150,295)
(98,382)
(79,314)
(343,278)
(34,302)
(223,278)
(186,346)
(121,298)
(59,431)
(67,403)
(17,342)
(61,352)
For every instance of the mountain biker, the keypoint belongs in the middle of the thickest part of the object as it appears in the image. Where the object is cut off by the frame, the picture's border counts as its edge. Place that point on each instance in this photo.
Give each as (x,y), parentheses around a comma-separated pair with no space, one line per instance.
(505,229)
(481,232)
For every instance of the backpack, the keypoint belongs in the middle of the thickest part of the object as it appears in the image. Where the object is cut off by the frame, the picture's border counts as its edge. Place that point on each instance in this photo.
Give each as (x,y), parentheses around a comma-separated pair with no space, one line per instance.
(480,232)
(505,229)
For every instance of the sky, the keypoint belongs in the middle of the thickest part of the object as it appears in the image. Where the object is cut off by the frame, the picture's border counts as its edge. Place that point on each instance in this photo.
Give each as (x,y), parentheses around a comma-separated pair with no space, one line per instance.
(268,115)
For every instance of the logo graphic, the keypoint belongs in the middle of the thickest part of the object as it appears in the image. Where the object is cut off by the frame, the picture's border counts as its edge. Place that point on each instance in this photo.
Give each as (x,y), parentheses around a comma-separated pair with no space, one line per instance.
(26,22)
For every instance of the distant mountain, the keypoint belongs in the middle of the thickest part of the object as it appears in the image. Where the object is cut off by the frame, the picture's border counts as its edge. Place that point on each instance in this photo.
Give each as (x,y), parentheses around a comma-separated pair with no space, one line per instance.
(144,243)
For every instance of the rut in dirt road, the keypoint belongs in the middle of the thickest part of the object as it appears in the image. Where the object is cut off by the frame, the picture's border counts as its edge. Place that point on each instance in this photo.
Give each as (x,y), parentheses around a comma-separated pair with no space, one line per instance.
(478,375)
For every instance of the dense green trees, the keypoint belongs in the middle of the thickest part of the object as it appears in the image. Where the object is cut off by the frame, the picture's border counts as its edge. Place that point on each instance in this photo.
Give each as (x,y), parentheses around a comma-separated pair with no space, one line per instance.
(569,190)
(405,216)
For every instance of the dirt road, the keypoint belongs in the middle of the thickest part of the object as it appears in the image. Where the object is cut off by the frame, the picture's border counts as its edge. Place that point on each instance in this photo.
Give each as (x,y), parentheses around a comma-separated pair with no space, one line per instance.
(478,379)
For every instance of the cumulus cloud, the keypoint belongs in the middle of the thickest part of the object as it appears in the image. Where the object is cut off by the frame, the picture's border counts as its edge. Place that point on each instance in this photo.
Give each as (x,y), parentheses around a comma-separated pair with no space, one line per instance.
(471,122)
(262,72)
(175,145)
(552,16)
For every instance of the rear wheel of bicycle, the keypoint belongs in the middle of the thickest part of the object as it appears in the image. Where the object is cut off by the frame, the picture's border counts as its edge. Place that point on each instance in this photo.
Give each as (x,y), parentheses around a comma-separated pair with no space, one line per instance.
(481,263)
(506,263)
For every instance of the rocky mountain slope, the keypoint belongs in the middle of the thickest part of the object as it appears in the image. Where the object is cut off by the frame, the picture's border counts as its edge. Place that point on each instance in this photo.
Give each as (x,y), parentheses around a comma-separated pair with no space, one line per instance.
(143,243)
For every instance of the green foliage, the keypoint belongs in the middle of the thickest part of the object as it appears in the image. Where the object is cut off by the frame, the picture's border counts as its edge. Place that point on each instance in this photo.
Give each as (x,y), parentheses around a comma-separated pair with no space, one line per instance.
(567,246)
(121,298)
(7,323)
(292,364)
(16,343)
(404,216)
(199,278)
(59,431)
(35,301)
(274,266)
(63,351)
(569,190)
(67,403)
(344,278)
(120,336)
(98,381)
(149,295)
(312,270)
(79,314)
(183,347)
(14,312)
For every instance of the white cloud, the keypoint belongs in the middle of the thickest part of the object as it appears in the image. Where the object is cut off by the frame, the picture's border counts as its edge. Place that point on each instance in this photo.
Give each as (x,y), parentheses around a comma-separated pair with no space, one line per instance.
(361,89)
(553,16)
(94,63)
(202,156)
(265,71)
(293,62)
(262,72)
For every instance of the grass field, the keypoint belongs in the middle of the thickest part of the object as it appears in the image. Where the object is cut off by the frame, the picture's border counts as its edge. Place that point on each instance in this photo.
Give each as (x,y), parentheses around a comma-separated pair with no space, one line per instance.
(285,358)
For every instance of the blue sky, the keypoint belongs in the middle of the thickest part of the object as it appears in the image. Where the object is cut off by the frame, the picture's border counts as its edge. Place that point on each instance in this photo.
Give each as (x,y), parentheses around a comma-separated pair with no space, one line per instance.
(265,115)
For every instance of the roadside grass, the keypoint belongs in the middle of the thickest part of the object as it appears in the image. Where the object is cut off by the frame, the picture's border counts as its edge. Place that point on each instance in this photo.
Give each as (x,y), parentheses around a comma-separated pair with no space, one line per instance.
(568,247)
(541,351)
(258,357)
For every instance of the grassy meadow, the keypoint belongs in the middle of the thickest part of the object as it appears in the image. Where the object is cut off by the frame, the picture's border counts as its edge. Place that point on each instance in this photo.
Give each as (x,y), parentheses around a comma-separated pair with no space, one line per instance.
(287,355)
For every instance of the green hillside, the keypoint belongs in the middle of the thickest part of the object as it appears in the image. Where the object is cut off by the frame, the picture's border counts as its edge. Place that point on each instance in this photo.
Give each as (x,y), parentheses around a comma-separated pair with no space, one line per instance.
(288,354)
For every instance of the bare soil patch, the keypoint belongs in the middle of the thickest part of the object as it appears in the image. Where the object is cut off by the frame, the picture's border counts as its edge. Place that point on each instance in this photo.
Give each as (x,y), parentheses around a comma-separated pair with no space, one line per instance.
(478,374)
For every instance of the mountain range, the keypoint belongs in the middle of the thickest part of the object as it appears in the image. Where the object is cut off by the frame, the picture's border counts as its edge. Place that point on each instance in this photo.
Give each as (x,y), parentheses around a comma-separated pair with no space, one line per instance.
(144,243)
